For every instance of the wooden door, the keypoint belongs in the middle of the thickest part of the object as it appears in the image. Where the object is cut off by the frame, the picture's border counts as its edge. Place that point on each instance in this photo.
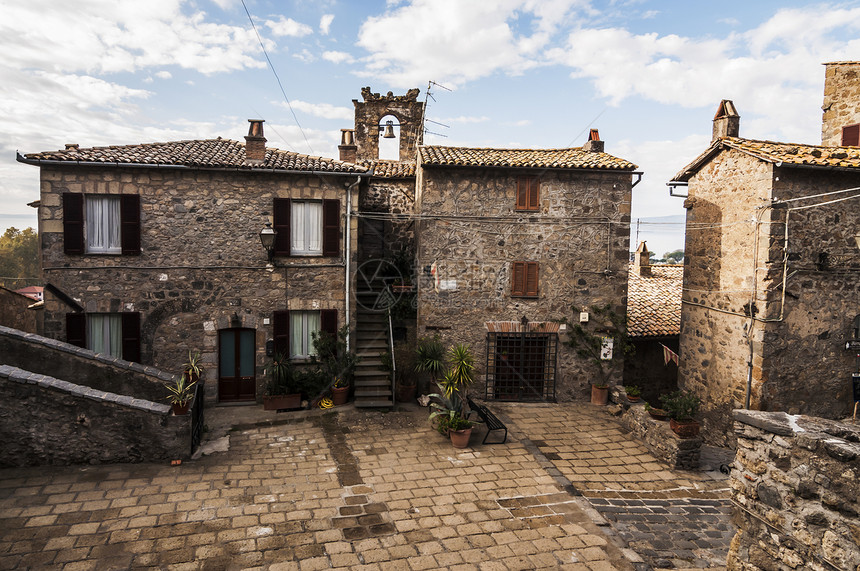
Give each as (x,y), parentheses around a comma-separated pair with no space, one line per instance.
(236,378)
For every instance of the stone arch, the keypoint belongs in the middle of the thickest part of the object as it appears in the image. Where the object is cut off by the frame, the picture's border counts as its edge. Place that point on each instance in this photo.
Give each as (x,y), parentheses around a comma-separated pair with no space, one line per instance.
(368,113)
(152,335)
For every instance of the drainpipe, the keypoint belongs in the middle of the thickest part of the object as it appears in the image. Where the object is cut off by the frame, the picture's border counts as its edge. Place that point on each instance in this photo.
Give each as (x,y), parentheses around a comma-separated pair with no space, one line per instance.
(347,247)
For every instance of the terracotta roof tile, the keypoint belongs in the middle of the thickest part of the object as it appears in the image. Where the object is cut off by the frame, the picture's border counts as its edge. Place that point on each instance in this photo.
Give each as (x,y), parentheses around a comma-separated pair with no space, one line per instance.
(575,158)
(792,154)
(206,153)
(654,302)
(389,169)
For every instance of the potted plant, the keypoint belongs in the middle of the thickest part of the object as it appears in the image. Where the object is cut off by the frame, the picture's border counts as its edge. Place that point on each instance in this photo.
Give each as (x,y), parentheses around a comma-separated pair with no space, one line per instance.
(459,430)
(634,393)
(192,367)
(430,358)
(181,392)
(282,390)
(339,391)
(331,366)
(599,393)
(449,405)
(406,384)
(682,407)
(656,413)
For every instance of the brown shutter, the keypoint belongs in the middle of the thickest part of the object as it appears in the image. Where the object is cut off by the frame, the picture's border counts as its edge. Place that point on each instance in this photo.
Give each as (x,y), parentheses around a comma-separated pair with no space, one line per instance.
(281,331)
(131,336)
(129,214)
(76,329)
(531,289)
(534,193)
(522,193)
(331,228)
(281,212)
(73,223)
(328,321)
(851,136)
(518,279)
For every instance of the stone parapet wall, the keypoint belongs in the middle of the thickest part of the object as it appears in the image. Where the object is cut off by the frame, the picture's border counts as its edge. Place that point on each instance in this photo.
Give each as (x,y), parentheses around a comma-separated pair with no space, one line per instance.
(45,420)
(795,488)
(665,445)
(14,312)
(82,367)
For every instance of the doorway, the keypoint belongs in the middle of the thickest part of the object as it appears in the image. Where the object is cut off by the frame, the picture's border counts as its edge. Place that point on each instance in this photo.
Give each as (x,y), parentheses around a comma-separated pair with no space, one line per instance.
(236,371)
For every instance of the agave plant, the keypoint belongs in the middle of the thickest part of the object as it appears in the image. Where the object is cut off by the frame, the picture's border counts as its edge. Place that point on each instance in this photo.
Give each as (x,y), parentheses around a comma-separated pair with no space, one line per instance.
(181,391)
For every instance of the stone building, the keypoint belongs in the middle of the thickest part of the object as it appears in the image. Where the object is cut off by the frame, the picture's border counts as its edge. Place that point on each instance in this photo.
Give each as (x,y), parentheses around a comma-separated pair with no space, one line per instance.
(151,250)
(771,298)
(508,241)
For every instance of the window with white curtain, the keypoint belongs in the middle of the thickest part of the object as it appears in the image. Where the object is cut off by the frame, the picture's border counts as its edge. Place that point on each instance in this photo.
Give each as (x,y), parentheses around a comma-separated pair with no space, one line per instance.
(306,228)
(303,324)
(103,225)
(104,333)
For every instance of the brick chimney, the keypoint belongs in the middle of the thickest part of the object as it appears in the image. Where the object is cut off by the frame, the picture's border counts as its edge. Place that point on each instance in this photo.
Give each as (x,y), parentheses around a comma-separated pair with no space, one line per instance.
(642,260)
(255,142)
(593,144)
(348,149)
(840,121)
(727,122)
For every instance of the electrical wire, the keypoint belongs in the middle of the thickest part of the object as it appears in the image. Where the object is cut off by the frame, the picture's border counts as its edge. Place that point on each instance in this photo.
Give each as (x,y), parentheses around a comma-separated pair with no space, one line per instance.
(283,92)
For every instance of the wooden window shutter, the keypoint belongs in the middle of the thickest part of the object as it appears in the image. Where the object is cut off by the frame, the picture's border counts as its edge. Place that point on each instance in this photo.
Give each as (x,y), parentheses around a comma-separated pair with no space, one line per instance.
(281,212)
(76,329)
(851,136)
(281,331)
(328,321)
(73,223)
(518,279)
(331,228)
(534,193)
(129,214)
(131,336)
(522,193)
(531,289)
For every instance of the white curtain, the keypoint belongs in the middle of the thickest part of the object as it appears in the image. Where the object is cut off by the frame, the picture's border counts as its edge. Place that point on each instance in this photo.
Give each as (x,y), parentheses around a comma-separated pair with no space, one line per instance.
(104,334)
(306,227)
(103,224)
(302,325)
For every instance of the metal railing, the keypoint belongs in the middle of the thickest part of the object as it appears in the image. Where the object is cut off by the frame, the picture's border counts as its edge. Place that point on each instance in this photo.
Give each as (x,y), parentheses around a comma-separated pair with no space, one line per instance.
(393,359)
(197,416)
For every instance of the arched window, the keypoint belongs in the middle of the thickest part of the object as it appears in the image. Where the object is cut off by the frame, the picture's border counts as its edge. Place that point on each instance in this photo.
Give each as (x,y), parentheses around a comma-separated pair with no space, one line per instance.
(389,138)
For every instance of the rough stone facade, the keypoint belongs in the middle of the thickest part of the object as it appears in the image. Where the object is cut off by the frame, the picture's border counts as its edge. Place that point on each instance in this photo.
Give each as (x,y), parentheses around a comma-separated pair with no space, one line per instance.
(664,444)
(201,268)
(14,312)
(470,235)
(795,490)
(841,100)
(386,236)
(809,323)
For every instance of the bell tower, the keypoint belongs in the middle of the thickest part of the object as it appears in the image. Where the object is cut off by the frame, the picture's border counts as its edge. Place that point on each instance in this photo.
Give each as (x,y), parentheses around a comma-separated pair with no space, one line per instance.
(369,124)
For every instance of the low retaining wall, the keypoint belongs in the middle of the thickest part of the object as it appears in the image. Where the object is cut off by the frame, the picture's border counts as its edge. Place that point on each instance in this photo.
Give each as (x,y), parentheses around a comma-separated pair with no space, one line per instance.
(81,366)
(665,445)
(44,420)
(796,493)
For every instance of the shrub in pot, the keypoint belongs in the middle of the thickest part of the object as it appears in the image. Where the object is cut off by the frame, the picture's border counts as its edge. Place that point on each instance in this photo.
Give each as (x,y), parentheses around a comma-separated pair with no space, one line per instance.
(283,391)
(682,406)
(180,394)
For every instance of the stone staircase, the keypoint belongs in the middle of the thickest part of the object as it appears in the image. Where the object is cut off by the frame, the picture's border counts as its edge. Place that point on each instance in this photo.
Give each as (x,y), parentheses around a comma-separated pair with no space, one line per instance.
(372,382)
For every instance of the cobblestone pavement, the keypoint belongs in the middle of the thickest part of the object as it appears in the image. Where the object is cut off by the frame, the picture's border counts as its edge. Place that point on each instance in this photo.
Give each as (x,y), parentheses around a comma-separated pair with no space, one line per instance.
(669,518)
(363,490)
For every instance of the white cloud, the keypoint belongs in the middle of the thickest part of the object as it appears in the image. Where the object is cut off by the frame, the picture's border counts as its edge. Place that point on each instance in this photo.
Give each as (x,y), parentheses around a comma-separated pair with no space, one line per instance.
(289,27)
(305,55)
(337,57)
(325,23)
(464,119)
(163,75)
(324,110)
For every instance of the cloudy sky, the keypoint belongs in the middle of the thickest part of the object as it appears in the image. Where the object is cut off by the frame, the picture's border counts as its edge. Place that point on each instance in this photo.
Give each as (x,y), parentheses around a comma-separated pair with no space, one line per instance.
(516,73)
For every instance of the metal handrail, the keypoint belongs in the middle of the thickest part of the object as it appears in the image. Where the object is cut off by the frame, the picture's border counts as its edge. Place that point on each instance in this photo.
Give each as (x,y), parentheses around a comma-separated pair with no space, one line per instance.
(393,360)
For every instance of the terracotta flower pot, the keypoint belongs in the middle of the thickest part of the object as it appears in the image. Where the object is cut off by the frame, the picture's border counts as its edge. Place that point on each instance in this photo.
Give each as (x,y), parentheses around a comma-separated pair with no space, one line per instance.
(685,428)
(599,395)
(658,414)
(406,393)
(339,395)
(180,409)
(460,438)
(279,402)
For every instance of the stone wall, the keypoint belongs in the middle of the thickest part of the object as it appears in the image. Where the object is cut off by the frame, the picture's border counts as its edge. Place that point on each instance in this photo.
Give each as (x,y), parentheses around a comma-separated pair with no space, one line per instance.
(82,367)
(795,489)
(44,420)
(841,100)
(389,196)
(408,111)
(664,444)
(201,268)
(14,312)
(579,237)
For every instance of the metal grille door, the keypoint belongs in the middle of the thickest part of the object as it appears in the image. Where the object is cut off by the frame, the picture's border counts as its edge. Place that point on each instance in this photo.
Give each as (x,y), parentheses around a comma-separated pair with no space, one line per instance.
(521,366)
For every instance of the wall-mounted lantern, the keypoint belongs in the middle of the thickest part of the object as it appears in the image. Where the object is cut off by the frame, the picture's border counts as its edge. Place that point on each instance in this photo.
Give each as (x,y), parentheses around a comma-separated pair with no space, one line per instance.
(267,238)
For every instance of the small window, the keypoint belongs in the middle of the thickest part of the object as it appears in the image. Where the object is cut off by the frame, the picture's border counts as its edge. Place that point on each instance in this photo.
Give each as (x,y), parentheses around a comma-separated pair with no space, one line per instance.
(104,333)
(103,225)
(114,334)
(851,135)
(306,228)
(303,324)
(528,193)
(524,279)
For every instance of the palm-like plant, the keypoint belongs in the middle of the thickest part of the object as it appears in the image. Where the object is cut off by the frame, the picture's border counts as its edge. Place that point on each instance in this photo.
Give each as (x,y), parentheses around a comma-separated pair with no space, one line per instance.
(430,357)
(181,391)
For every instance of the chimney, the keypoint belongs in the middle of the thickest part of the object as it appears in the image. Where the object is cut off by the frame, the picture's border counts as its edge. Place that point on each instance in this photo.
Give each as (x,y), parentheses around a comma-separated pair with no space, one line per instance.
(347,147)
(72,146)
(642,260)
(593,144)
(727,122)
(255,142)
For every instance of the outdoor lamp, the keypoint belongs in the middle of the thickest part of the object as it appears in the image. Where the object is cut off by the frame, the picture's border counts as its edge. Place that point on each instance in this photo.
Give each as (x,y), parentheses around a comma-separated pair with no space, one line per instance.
(267,238)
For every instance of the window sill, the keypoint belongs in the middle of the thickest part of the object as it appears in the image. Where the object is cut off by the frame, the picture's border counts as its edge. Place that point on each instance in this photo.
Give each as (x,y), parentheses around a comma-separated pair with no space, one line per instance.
(525,296)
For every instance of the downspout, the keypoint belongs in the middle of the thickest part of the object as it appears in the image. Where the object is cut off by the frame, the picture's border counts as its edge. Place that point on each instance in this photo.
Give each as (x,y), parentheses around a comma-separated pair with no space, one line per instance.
(347,247)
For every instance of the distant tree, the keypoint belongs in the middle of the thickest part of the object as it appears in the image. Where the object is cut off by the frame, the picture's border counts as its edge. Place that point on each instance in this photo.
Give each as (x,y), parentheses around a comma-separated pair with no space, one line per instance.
(19,258)
(674,257)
